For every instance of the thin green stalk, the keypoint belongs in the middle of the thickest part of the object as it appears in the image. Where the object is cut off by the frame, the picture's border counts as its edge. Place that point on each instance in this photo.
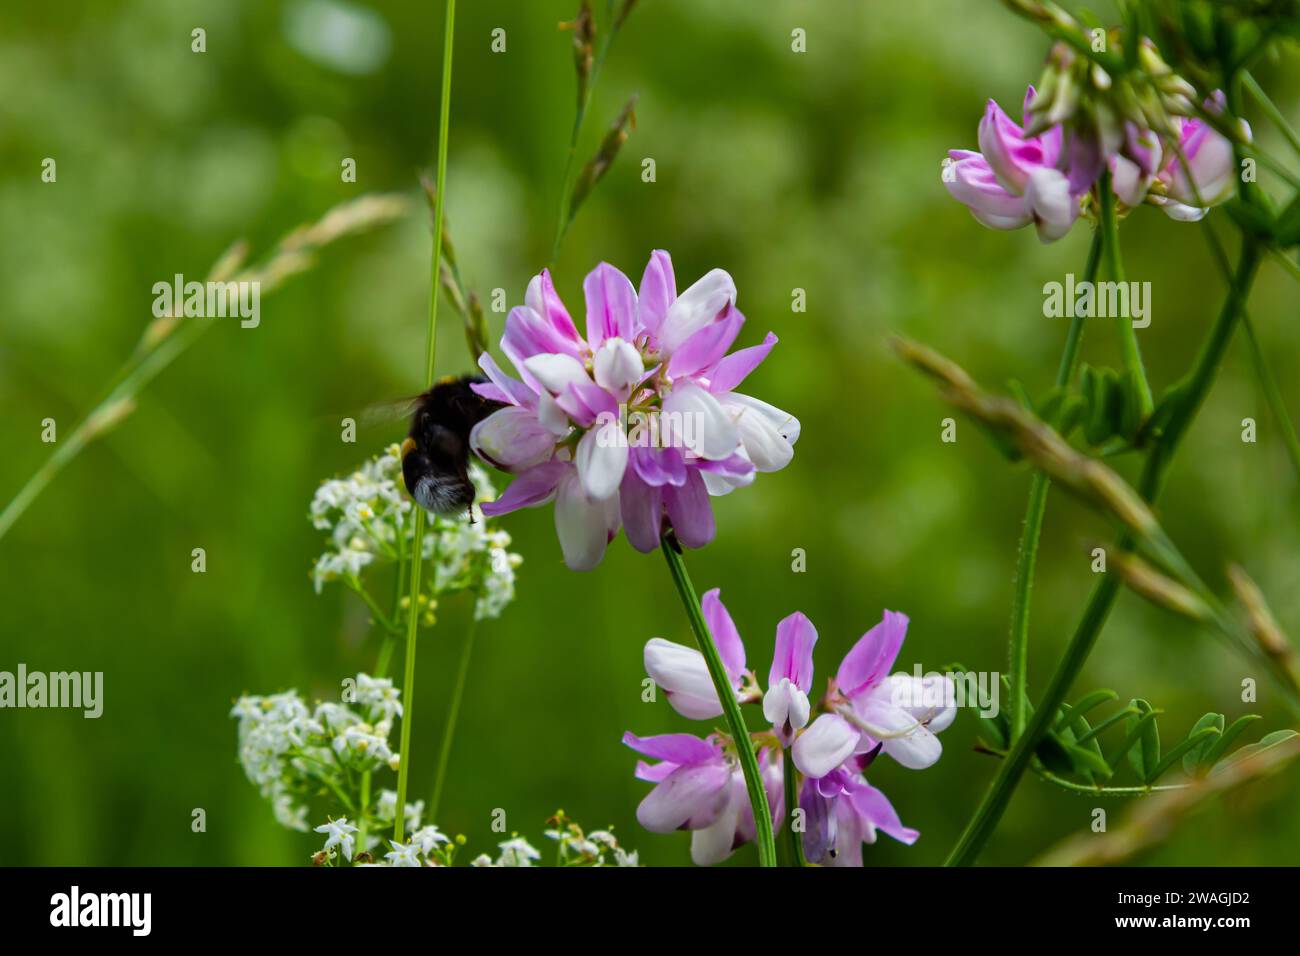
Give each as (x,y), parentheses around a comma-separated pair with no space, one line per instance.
(1271,110)
(565,217)
(385,656)
(1191,394)
(794,841)
(417,558)
(1033,530)
(453,714)
(135,374)
(1132,355)
(363,819)
(730,708)
(156,350)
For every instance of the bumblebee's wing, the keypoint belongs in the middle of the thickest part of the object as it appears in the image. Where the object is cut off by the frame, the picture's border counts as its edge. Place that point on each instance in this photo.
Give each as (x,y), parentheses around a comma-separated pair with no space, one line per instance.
(381,413)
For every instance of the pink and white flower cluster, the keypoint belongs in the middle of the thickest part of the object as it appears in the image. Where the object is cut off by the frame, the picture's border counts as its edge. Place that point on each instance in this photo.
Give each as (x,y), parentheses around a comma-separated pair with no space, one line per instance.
(1015,179)
(866,711)
(572,428)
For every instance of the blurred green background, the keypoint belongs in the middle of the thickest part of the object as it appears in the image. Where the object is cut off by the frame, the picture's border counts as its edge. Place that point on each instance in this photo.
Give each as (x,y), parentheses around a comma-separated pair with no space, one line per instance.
(818,171)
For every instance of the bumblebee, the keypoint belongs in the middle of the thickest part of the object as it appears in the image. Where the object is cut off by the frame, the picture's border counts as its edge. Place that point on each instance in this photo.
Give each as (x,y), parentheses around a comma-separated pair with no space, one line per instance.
(435,455)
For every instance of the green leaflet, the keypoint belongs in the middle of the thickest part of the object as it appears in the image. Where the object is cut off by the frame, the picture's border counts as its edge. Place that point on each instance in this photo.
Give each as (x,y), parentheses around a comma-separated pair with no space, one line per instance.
(1196,756)
(1142,732)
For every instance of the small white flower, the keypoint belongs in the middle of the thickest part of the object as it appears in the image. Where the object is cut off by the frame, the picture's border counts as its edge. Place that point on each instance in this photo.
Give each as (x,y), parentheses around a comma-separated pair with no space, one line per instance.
(403,854)
(340,834)
(517,852)
(428,838)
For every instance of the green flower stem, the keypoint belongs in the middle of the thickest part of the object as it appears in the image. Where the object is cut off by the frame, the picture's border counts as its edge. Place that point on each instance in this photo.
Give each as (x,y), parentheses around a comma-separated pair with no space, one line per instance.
(794,841)
(1132,355)
(1190,394)
(1034,511)
(417,559)
(730,707)
(363,820)
(385,656)
(453,714)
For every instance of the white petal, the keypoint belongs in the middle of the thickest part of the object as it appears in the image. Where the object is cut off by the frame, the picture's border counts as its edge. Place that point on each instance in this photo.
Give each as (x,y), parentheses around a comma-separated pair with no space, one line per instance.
(697,793)
(581,524)
(931,699)
(602,459)
(1128,182)
(716,842)
(763,441)
(695,420)
(1178,211)
(825,745)
(617,366)
(555,370)
(904,737)
(786,703)
(916,751)
(695,308)
(513,438)
(551,415)
(782,421)
(682,674)
(1055,210)
(719,485)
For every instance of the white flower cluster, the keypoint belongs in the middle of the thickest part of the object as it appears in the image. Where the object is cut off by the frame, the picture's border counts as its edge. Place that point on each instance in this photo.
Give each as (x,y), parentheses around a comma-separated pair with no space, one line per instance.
(369,518)
(514,852)
(428,846)
(597,848)
(288,749)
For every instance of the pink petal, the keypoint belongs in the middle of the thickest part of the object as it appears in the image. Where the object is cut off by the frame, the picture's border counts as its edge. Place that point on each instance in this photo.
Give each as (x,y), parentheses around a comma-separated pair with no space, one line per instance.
(659,466)
(971,182)
(528,334)
(642,509)
(708,345)
(658,292)
(1009,154)
(611,305)
(542,298)
(877,813)
(733,369)
(869,660)
(725,636)
(689,510)
(514,392)
(683,749)
(512,438)
(585,401)
(534,487)
(689,797)
(793,658)
(491,392)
